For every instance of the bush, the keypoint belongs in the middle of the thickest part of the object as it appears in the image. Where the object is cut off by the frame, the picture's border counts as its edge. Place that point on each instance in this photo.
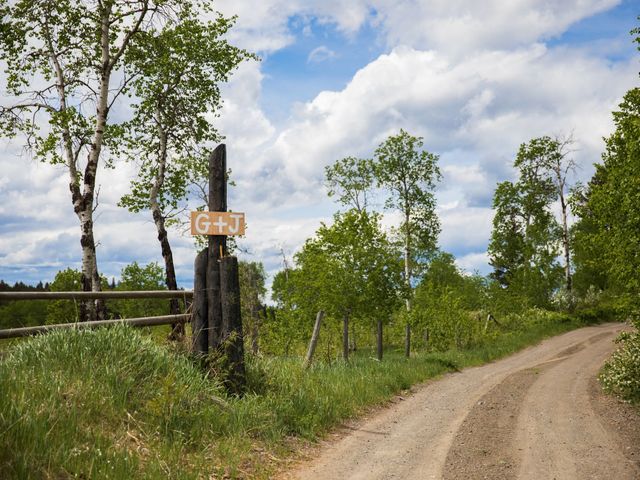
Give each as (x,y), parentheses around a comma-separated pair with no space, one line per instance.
(621,373)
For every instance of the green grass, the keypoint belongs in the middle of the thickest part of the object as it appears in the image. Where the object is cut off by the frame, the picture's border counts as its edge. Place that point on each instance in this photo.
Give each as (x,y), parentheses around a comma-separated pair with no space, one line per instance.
(112,403)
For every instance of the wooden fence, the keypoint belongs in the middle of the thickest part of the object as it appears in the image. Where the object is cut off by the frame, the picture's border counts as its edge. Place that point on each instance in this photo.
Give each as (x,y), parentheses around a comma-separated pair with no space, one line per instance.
(186,295)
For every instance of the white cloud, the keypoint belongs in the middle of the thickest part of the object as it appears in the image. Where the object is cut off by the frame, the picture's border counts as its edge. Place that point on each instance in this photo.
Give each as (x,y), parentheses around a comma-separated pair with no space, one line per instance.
(460,27)
(457,27)
(320,54)
(474,79)
(474,262)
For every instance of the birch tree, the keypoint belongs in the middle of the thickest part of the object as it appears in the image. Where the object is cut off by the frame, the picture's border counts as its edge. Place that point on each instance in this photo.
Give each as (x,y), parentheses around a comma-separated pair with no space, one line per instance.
(350,180)
(409,174)
(66,72)
(549,159)
(177,71)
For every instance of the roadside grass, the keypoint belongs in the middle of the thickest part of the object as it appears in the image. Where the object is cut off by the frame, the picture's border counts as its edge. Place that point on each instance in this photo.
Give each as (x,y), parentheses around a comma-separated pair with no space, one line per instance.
(113,403)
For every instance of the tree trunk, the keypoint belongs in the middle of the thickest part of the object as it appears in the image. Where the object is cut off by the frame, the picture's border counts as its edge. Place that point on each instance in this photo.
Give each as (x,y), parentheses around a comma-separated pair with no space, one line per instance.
(379,340)
(407,277)
(314,340)
(565,242)
(177,330)
(345,337)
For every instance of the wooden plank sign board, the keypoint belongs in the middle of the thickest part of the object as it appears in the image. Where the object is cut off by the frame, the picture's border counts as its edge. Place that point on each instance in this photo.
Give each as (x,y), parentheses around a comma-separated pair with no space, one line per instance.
(217,223)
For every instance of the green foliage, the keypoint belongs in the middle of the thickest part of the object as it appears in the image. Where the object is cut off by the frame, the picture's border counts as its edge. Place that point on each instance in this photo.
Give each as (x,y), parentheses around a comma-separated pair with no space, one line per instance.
(176,71)
(135,277)
(621,373)
(590,270)
(524,240)
(409,174)
(608,232)
(350,179)
(23,313)
(252,291)
(349,269)
(64,311)
(446,304)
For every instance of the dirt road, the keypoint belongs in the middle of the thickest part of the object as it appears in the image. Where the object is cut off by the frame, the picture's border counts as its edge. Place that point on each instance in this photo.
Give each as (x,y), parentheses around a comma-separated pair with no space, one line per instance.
(538,414)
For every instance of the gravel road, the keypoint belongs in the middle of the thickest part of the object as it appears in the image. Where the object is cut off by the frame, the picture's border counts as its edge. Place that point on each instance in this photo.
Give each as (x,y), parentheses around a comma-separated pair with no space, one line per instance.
(538,414)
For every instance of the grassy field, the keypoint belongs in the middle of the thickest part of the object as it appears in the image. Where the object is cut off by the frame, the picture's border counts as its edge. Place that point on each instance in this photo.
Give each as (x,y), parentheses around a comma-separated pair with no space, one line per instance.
(113,403)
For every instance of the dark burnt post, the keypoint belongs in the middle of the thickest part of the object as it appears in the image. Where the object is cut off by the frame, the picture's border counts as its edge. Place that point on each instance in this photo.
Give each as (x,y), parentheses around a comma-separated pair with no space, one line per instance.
(217,323)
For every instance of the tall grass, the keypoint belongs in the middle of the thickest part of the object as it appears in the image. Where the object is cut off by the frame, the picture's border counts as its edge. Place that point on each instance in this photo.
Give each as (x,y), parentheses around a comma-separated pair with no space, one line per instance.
(112,403)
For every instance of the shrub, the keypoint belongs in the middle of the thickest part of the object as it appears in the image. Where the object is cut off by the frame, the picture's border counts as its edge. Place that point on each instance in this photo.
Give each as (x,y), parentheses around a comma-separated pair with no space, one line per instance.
(621,373)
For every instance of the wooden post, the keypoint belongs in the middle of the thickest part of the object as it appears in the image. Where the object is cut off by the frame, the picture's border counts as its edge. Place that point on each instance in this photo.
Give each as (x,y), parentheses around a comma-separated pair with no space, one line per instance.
(314,340)
(379,340)
(407,340)
(232,325)
(345,337)
(217,243)
(199,321)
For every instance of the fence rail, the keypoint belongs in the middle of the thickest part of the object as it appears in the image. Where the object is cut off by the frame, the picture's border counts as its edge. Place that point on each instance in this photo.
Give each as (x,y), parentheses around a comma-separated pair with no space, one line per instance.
(95,295)
(135,322)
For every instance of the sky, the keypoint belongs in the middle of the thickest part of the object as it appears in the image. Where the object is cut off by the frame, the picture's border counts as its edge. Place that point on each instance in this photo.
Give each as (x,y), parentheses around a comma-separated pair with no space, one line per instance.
(335,79)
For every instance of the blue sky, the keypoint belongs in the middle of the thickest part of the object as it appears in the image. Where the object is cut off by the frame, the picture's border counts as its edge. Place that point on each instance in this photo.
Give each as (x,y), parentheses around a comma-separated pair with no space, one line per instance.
(475,79)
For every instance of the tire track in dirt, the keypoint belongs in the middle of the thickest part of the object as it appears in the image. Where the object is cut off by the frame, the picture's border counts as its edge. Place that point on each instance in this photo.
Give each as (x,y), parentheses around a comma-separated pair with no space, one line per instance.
(483,446)
(538,423)
(415,438)
(559,434)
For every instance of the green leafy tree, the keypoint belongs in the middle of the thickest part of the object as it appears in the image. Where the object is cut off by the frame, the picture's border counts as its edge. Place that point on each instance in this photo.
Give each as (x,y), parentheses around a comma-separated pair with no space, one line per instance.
(252,293)
(350,180)
(64,311)
(606,234)
(609,225)
(349,269)
(590,268)
(137,277)
(67,69)
(409,174)
(447,303)
(176,71)
(524,239)
(547,160)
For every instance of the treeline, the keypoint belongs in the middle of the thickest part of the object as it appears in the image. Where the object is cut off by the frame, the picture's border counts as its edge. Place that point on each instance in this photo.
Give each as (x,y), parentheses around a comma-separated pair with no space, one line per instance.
(25,313)
(367,278)
(545,268)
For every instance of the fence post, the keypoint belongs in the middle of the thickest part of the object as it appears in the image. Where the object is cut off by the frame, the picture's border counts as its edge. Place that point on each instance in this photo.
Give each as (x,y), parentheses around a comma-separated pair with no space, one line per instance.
(232,339)
(199,318)
(314,340)
(379,340)
(345,336)
(217,243)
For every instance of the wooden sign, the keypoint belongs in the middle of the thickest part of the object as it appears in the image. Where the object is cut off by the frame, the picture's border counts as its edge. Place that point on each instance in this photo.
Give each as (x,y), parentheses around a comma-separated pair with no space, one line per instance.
(217,223)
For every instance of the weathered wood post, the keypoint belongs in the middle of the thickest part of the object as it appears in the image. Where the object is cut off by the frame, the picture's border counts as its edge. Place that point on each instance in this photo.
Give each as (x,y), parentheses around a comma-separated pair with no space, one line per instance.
(232,339)
(407,340)
(200,311)
(314,340)
(217,243)
(345,336)
(379,340)
(219,330)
